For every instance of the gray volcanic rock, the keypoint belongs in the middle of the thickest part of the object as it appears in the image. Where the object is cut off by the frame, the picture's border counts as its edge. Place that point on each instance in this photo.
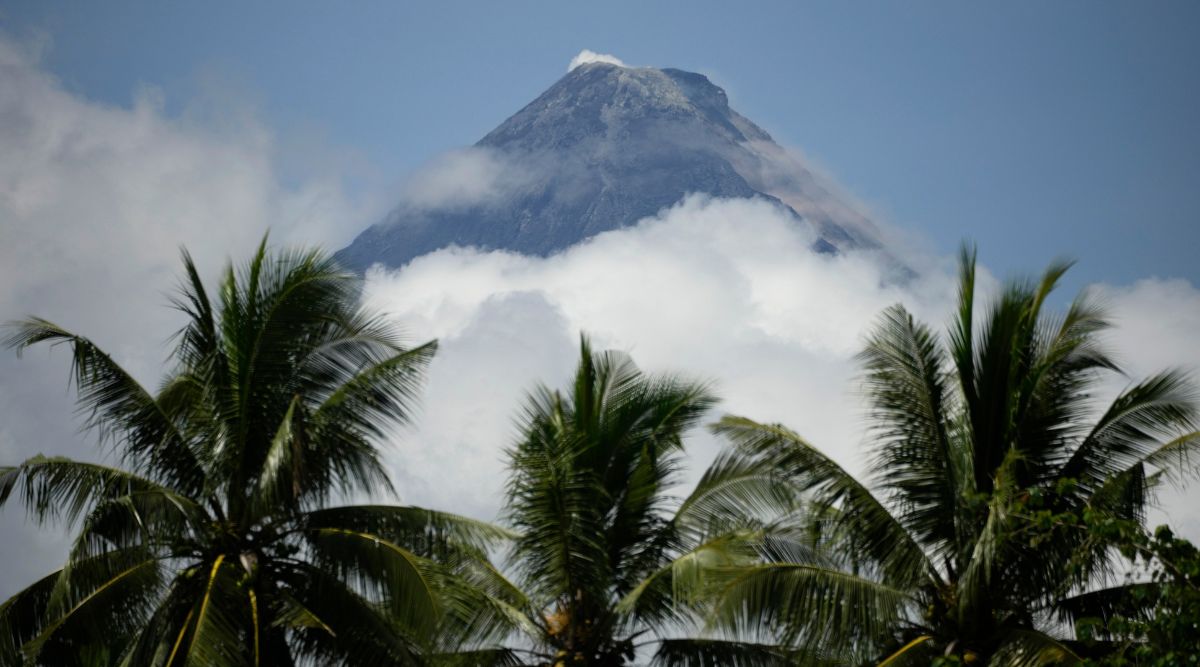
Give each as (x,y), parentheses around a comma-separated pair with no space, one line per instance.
(604,147)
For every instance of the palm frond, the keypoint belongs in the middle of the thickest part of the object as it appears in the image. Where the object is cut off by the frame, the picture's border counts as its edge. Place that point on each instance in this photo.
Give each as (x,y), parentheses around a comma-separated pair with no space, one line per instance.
(1130,600)
(912,411)
(165,626)
(669,591)
(491,657)
(879,536)
(155,518)
(914,653)
(357,413)
(22,617)
(1142,417)
(214,637)
(58,488)
(279,481)
(390,573)
(426,532)
(101,602)
(1179,459)
(1030,648)
(725,653)
(473,599)
(1002,360)
(483,608)
(351,630)
(288,612)
(1053,406)
(118,407)
(733,489)
(814,607)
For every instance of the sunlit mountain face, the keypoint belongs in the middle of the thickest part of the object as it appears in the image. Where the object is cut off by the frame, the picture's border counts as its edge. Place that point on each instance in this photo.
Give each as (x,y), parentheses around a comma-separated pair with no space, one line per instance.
(601,149)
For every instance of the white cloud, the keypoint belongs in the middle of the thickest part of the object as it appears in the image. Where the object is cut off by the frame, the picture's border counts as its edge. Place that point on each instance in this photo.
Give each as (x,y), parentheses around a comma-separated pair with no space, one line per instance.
(1157,328)
(98,198)
(1158,322)
(727,290)
(95,201)
(586,56)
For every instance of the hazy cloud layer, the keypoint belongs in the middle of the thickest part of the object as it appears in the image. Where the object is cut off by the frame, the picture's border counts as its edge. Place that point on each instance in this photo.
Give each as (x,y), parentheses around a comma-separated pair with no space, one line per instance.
(95,201)
(464,178)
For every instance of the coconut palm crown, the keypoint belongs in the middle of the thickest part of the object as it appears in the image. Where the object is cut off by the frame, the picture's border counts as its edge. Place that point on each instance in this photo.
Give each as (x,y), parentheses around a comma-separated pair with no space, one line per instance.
(211,539)
(978,441)
(608,565)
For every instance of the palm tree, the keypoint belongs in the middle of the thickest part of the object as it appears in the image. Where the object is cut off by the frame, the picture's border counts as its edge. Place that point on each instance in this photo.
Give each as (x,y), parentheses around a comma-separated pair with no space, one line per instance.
(981,443)
(608,564)
(213,540)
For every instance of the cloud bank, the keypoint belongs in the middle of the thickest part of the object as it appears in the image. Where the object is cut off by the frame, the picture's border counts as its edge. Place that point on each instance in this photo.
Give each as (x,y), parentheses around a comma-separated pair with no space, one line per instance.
(723,290)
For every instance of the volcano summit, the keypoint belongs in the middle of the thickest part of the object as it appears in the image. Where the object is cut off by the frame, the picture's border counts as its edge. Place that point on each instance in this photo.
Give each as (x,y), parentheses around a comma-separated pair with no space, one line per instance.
(604,147)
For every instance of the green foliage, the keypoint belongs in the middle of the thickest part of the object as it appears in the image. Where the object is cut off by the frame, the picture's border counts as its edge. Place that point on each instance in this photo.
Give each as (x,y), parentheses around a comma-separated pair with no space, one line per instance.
(607,564)
(981,442)
(1154,619)
(997,506)
(211,542)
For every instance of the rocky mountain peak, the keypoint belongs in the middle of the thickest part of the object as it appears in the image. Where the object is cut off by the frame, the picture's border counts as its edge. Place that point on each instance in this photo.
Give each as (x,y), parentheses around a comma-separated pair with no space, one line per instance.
(603,147)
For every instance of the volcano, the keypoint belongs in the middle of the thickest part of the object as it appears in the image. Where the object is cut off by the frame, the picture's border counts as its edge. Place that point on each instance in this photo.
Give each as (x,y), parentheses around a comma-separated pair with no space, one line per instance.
(603,148)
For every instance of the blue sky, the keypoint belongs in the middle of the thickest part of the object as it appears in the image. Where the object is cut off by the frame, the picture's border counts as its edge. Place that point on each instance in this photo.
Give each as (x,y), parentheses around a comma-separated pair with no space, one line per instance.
(1037,129)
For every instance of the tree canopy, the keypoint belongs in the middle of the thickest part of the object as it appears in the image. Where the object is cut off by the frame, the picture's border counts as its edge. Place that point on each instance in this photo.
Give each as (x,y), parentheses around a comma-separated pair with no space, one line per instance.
(968,432)
(212,538)
(995,523)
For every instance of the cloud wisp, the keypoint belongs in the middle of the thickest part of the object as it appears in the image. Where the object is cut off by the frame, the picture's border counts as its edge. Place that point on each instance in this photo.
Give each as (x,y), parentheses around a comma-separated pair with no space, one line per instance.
(588,56)
(463,178)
